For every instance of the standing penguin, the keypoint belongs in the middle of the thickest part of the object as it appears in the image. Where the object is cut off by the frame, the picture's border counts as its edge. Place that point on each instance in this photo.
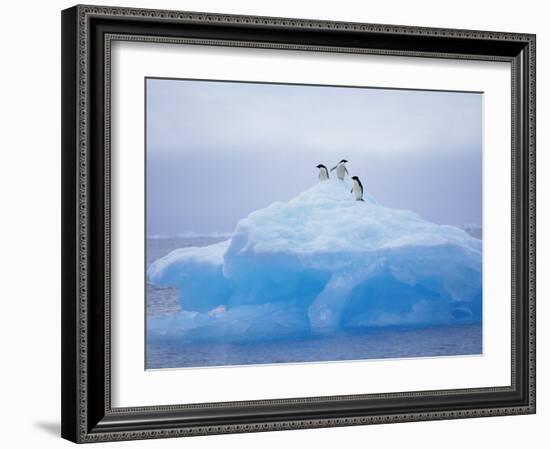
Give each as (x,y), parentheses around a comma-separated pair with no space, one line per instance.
(357,189)
(341,169)
(323,172)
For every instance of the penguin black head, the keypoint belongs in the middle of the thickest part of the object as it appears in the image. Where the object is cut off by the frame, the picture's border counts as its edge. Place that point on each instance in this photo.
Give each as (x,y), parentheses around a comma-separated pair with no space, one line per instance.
(321,166)
(355,178)
(343,161)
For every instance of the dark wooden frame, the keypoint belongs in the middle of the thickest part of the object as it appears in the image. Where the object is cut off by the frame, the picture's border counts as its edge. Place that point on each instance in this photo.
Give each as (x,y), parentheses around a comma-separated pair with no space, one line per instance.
(87,32)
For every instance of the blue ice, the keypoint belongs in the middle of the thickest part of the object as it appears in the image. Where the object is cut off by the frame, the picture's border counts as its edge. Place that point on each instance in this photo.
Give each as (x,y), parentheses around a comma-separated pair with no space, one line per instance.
(319,263)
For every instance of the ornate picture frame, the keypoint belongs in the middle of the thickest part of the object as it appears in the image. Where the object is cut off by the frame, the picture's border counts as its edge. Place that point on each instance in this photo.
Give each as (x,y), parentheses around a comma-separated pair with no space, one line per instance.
(88,33)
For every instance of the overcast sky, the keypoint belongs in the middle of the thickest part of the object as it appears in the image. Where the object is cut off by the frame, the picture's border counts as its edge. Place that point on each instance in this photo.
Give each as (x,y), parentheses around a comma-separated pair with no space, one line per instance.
(217,151)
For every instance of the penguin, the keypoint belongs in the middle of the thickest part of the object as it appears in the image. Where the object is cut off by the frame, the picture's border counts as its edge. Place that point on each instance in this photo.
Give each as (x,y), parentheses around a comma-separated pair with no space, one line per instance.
(357,189)
(341,169)
(323,172)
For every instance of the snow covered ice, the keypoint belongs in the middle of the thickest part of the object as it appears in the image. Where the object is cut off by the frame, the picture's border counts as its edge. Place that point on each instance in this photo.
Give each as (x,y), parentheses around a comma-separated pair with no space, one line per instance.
(319,263)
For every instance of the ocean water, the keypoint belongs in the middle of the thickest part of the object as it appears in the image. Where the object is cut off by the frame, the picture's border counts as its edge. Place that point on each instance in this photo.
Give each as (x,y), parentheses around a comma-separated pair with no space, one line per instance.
(396,342)
(358,345)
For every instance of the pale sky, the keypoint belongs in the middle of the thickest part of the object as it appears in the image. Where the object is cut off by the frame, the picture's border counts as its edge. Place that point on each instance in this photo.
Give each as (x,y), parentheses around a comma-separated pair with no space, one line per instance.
(217,151)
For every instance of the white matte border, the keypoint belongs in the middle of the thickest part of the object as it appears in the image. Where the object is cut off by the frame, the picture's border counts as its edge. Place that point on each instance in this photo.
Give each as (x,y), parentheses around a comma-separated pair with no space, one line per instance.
(133,386)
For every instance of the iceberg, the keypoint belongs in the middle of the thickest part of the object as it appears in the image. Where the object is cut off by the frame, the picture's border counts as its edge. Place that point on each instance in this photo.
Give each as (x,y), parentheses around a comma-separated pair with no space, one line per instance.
(320,263)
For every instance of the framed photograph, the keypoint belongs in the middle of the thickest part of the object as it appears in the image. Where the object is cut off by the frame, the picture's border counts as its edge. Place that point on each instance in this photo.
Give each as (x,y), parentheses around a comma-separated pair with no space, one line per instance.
(275,223)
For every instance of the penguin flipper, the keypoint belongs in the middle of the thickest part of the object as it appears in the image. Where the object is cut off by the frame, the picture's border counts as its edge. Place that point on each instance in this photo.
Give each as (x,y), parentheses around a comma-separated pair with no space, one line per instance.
(333,168)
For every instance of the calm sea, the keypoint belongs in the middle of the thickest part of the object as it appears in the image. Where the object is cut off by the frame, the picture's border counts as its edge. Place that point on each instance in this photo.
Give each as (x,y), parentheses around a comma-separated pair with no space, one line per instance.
(350,345)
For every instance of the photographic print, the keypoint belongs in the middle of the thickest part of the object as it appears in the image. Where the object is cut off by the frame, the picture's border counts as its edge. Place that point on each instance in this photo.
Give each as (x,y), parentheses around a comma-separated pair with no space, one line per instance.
(293,223)
(344,210)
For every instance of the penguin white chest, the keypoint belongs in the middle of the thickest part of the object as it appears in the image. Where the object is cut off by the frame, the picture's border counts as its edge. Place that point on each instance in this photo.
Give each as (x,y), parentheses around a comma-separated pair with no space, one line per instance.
(357,190)
(323,174)
(341,172)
